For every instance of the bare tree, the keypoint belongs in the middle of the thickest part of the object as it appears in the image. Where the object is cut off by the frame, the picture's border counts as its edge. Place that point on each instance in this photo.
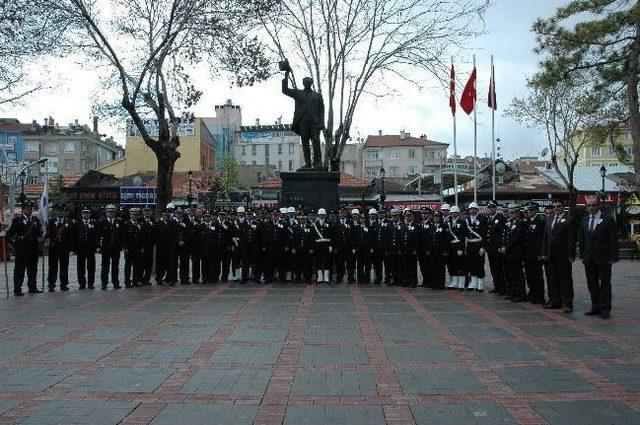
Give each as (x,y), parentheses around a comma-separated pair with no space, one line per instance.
(568,114)
(149,50)
(353,47)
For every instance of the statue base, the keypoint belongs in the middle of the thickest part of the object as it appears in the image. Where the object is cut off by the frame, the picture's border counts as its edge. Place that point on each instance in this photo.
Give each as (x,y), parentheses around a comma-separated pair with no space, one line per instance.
(310,189)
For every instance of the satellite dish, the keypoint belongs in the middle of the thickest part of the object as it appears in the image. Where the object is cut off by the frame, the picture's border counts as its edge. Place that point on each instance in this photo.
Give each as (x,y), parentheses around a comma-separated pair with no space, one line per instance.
(544,152)
(137,181)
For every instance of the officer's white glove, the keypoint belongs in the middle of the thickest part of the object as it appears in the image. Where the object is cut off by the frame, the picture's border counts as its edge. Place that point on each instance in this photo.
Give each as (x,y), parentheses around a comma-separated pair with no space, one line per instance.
(3,234)
(482,252)
(459,253)
(330,249)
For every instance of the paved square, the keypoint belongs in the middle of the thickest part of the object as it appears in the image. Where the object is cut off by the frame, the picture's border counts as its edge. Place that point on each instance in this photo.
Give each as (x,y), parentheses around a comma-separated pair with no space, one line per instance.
(317,354)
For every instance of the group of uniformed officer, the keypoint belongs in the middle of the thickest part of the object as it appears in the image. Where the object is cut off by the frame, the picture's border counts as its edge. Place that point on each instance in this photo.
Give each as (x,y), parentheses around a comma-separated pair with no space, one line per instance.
(285,245)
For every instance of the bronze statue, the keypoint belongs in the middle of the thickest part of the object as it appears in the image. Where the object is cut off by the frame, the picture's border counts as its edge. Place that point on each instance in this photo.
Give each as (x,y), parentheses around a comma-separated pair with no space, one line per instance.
(308,117)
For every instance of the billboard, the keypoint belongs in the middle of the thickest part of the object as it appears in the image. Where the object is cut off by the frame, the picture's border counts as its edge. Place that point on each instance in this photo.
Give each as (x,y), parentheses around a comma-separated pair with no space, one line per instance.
(184,128)
(137,195)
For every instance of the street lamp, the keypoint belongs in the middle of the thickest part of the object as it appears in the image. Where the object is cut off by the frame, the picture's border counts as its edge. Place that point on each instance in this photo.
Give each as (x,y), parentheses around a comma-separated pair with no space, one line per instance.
(190,195)
(603,174)
(23,197)
(383,196)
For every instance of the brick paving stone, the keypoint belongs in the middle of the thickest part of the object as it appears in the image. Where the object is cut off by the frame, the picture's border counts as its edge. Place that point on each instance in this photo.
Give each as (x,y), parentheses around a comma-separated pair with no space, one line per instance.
(455,318)
(393,320)
(627,376)
(185,333)
(124,380)
(333,320)
(420,354)
(461,414)
(522,317)
(246,354)
(33,378)
(593,412)
(407,334)
(590,350)
(260,334)
(334,415)
(332,335)
(40,333)
(443,382)
(206,414)
(333,383)
(481,333)
(114,333)
(543,379)
(9,350)
(260,320)
(165,352)
(551,331)
(199,320)
(6,405)
(449,306)
(228,382)
(333,355)
(74,351)
(505,351)
(390,308)
(83,412)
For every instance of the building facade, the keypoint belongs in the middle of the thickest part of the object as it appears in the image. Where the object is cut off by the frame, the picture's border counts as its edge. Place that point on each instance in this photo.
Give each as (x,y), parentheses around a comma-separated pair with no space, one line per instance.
(224,129)
(197,150)
(611,149)
(267,145)
(401,155)
(71,149)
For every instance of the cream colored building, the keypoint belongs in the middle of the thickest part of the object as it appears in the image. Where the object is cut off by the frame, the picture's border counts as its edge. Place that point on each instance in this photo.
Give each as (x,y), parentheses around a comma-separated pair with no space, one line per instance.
(605,151)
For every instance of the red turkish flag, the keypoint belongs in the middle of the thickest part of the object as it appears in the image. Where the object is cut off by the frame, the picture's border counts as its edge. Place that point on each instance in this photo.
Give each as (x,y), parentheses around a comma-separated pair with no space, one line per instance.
(468,99)
(492,102)
(452,91)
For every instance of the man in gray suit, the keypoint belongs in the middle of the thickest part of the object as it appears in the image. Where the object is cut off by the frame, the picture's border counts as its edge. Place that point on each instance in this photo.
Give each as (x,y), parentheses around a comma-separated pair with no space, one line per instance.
(598,244)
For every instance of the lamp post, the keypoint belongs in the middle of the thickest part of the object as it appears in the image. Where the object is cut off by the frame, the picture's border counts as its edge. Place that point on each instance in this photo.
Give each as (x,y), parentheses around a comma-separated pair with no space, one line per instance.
(383,196)
(190,195)
(22,198)
(603,174)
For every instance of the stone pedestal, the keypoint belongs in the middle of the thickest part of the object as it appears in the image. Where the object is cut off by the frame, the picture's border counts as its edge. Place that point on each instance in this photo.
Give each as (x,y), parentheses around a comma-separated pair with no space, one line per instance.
(310,190)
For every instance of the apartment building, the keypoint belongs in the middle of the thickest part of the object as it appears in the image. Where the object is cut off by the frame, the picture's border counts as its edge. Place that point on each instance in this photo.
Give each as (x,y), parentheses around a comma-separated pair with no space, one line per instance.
(275,144)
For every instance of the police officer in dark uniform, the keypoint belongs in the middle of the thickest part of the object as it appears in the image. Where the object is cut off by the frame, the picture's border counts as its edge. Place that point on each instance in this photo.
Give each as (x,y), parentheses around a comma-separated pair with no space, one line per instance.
(344,245)
(110,244)
(306,248)
(533,263)
(149,240)
(386,223)
(457,255)
(439,250)
(513,249)
(495,231)
(133,246)
(166,240)
(225,233)
(362,247)
(208,241)
(247,238)
(377,243)
(269,241)
(24,234)
(476,242)
(425,228)
(322,246)
(409,250)
(392,247)
(62,238)
(86,250)
(182,228)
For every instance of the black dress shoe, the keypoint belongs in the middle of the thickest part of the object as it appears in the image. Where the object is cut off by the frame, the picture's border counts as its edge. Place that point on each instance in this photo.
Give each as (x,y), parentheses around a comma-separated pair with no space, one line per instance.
(605,315)
(91,287)
(567,309)
(117,286)
(52,289)
(64,288)
(593,313)
(35,291)
(82,287)
(517,299)
(549,306)
(494,291)
(104,287)
(18,293)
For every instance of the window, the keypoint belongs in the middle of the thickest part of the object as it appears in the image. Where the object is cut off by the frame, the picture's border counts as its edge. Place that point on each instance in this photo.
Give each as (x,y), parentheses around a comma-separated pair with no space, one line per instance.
(373,154)
(69,146)
(629,150)
(31,146)
(612,151)
(279,148)
(254,150)
(51,148)
(244,150)
(393,154)
(412,153)
(291,149)
(266,150)
(613,164)
(279,165)
(291,165)
(595,151)
(243,162)
(411,169)
(69,163)
(33,180)
(394,171)
(12,140)
(253,162)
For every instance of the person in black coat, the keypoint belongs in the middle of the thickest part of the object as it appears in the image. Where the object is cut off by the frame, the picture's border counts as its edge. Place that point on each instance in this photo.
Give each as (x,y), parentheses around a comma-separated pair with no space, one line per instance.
(457,255)
(344,232)
(208,247)
(182,229)
(513,249)
(86,250)
(362,247)
(409,251)
(110,245)
(377,244)
(598,244)
(149,240)
(322,246)
(247,239)
(495,230)
(391,234)
(559,251)
(424,246)
(133,246)
(439,251)
(61,232)
(166,241)
(532,263)
(24,234)
(476,243)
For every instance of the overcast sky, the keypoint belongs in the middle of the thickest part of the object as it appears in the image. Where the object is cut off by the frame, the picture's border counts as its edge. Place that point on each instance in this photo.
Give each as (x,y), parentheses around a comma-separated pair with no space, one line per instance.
(508,38)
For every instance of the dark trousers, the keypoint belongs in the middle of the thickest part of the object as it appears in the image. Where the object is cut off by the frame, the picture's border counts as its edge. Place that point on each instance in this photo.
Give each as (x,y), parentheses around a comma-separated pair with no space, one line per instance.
(475,261)
(535,280)
(196,269)
(345,264)
(132,267)
(110,263)
(409,263)
(58,261)
(363,260)
(438,272)
(305,265)
(322,256)
(599,283)
(225,264)
(86,266)
(388,267)
(183,259)
(560,284)
(147,264)
(25,262)
(514,270)
(496,265)
(424,261)
(166,264)
(393,262)
(246,260)
(285,264)
(376,264)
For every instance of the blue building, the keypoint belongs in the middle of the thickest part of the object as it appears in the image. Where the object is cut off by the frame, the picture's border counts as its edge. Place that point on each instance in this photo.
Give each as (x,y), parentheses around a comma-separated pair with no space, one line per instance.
(11,131)
(223,127)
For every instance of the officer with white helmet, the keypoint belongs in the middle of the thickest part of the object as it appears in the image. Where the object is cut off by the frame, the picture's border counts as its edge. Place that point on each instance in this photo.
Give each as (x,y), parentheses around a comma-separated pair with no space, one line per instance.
(457,257)
(322,246)
(476,241)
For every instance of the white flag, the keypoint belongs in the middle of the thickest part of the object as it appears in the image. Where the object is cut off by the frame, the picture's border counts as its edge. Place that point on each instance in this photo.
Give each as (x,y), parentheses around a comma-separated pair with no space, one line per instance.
(43,207)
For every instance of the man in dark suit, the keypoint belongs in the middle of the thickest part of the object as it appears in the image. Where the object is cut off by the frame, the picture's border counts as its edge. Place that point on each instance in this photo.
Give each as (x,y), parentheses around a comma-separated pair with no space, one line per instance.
(148,224)
(24,233)
(598,244)
(110,245)
(559,251)
(166,240)
(86,250)
(513,249)
(532,265)
(495,230)
(61,233)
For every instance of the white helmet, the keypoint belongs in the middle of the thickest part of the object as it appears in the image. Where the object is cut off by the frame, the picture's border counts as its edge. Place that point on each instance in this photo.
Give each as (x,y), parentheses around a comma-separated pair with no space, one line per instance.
(322,211)
(171,206)
(291,210)
(240,210)
(473,205)
(283,210)
(455,209)
(373,211)
(355,211)
(445,207)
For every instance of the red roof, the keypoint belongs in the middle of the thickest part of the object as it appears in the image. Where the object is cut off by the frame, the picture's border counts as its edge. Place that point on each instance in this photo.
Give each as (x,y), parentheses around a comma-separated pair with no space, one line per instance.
(35,190)
(14,127)
(346,180)
(391,140)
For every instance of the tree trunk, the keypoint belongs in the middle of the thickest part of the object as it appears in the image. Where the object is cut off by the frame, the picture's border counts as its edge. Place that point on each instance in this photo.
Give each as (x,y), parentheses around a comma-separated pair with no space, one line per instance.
(166,162)
(632,98)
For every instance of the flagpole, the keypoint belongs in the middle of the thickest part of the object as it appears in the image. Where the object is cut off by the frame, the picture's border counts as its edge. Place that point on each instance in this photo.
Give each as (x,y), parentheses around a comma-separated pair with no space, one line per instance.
(4,241)
(475,143)
(455,146)
(493,132)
